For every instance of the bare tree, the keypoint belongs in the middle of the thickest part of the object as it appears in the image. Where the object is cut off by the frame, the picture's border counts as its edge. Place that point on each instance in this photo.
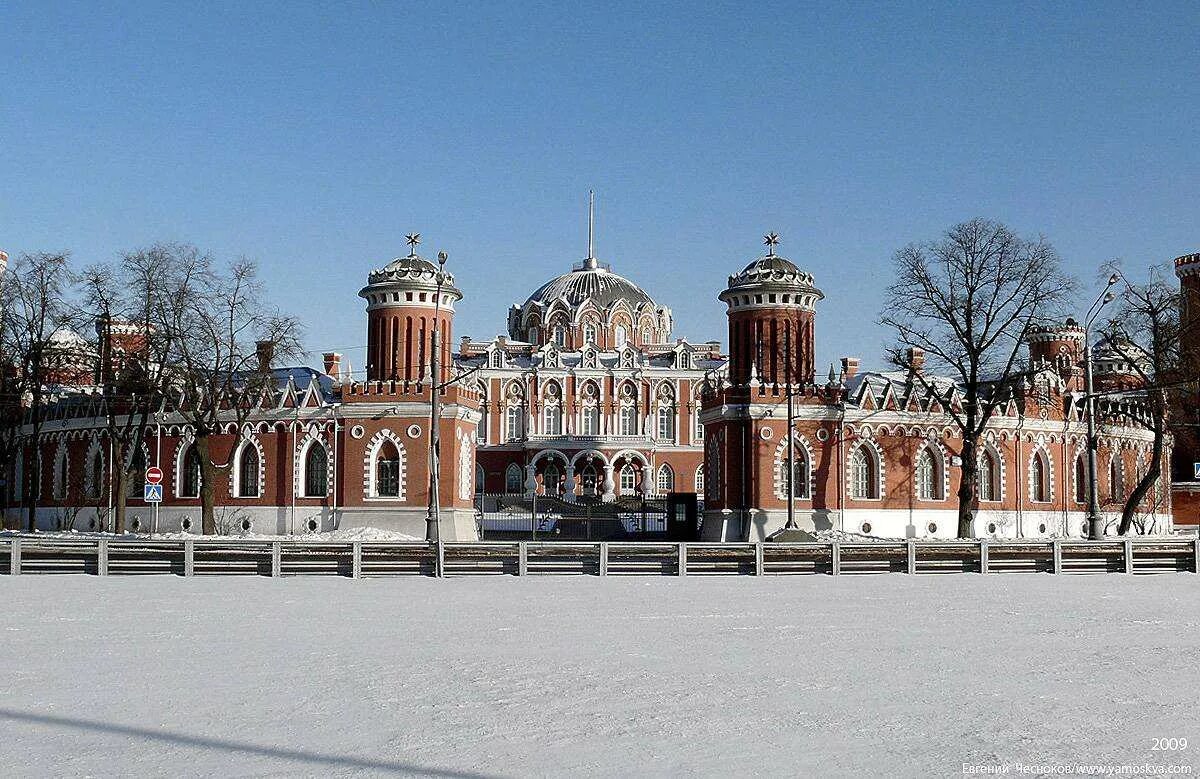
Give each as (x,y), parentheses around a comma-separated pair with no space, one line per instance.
(1148,334)
(34,305)
(968,300)
(127,299)
(215,317)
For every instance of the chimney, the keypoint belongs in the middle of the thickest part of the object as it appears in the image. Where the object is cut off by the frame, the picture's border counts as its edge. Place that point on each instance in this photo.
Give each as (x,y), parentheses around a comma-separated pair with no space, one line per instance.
(266,353)
(916,359)
(333,365)
(849,367)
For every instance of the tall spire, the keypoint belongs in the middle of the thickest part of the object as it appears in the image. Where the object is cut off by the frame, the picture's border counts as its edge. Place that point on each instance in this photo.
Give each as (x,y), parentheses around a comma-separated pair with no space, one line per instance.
(590,262)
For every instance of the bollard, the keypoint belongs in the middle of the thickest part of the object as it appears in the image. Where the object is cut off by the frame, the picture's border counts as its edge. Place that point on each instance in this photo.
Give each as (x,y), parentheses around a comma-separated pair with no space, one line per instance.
(758,559)
(912,556)
(522,558)
(356,560)
(276,558)
(604,558)
(983,556)
(1056,544)
(14,564)
(102,557)
(439,565)
(682,559)
(1128,555)
(1196,556)
(189,557)
(835,558)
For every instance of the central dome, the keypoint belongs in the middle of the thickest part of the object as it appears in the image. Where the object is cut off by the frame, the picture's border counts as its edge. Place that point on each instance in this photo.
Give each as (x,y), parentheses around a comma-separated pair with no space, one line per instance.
(590,281)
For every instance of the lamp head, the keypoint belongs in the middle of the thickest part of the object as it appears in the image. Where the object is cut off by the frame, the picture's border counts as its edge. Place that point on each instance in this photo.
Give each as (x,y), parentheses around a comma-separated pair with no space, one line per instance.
(442,257)
(1110,297)
(1113,279)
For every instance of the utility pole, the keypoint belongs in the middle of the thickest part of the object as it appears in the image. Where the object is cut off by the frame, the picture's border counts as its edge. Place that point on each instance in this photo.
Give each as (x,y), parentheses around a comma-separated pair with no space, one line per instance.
(433,518)
(1095,521)
(791,422)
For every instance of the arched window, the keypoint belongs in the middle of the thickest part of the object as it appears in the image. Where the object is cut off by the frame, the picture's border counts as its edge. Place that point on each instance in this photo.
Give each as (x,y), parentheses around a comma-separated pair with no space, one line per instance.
(929,475)
(552,480)
(560,336)
(1081,478)
(135,475)
(316,471)
(629,419)
(666,423)
(497,359)
(189,479)
(95,478)
(591,420)
(248,471)
(60,474)
(514,482)
(588,480)
(589,333)
(1116,478)
(698,430)
(552,420)
(864,474)
(620,336)
(799,473)
(700,481)
(1039,478)
(628,480)
(514,423)
(480,479)
(387,470)
(666,480)
(989,476)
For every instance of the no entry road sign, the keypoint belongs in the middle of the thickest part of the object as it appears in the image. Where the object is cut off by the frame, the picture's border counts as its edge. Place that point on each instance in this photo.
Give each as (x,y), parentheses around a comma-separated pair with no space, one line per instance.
(154,475)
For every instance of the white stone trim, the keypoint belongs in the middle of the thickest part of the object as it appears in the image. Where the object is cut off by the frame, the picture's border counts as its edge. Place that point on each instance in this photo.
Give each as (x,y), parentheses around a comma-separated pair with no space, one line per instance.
(372,451)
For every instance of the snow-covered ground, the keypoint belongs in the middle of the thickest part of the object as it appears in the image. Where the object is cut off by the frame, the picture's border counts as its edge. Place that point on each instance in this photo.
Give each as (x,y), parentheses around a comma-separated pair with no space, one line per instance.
(811,676)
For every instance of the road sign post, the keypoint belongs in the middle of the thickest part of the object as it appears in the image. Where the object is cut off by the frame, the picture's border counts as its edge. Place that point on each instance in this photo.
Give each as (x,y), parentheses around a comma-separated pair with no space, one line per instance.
(154,477)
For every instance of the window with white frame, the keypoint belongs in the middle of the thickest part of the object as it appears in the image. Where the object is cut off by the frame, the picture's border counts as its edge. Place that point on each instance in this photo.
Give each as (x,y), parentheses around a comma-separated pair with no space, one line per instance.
(316,471)
(989,476)
(666,423)
(1039,478)
(1081,478)
(514,423)
(799,473)
(628,482)
(620,336)
(629,420)
(552,420)
(590,413)
(59,490)
(247,471)
(589,333)
(665,481)
(1116,478)
(864,474)
(387,470)
(929,475)
(189,477)
(95,479)
(514,479)
(700,480)
(560,336)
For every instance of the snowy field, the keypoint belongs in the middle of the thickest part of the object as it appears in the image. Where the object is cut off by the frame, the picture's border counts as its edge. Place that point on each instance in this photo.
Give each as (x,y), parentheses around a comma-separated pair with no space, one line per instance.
(810,676)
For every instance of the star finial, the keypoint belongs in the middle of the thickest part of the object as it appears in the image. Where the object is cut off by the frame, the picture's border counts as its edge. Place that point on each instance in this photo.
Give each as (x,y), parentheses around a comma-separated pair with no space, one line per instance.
(413,239)
(771,240)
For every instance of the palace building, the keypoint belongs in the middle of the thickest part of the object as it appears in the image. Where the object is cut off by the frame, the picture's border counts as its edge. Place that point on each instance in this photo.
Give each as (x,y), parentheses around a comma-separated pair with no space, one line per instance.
(591,397)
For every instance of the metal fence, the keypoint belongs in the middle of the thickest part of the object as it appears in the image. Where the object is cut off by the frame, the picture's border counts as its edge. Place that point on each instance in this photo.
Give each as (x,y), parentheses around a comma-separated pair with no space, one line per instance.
(514,517)
(24,555)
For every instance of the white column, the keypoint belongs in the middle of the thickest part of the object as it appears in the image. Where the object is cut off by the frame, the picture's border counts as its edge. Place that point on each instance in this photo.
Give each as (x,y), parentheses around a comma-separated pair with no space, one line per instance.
(530,480)
(647,480)
(609,494)
(569,485)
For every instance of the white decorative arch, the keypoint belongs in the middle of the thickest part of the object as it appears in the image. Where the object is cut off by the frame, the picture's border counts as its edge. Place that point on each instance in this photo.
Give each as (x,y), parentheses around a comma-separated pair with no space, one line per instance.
(186,439)
(598,456)
(369,469)
(875,451)
(551,453)
(989,446)
(934,446)
(313,436)
(779,466)
(60,473)
(466,470)
(92,489)
(1040,449)
(632,454)
(248,439)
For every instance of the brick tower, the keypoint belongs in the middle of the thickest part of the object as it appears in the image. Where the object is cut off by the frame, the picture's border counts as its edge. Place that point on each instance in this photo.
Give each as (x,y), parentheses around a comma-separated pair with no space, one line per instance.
(1061,348)
(771,309)
(388,415)
(1185,488)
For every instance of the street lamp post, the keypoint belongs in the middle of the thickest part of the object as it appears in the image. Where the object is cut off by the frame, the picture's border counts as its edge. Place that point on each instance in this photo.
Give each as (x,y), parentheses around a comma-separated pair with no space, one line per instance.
(1095,522)
(433,518)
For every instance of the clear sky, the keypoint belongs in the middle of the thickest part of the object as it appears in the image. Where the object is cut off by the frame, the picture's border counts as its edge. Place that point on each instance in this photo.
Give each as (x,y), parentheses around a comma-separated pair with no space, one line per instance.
(312,137)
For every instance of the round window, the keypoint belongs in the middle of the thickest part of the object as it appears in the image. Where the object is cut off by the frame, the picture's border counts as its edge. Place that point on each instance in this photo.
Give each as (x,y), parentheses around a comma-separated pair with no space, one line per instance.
(246,525)
(414,431)
(767,433)
(1042,528)
(932,527)
(312,525)
(186,524)
(991,528)
(822,435)
(358,431)
(866,528)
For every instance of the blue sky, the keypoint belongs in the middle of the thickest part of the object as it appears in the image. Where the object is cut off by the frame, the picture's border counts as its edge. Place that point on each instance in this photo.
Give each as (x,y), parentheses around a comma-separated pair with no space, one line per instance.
(313,137)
